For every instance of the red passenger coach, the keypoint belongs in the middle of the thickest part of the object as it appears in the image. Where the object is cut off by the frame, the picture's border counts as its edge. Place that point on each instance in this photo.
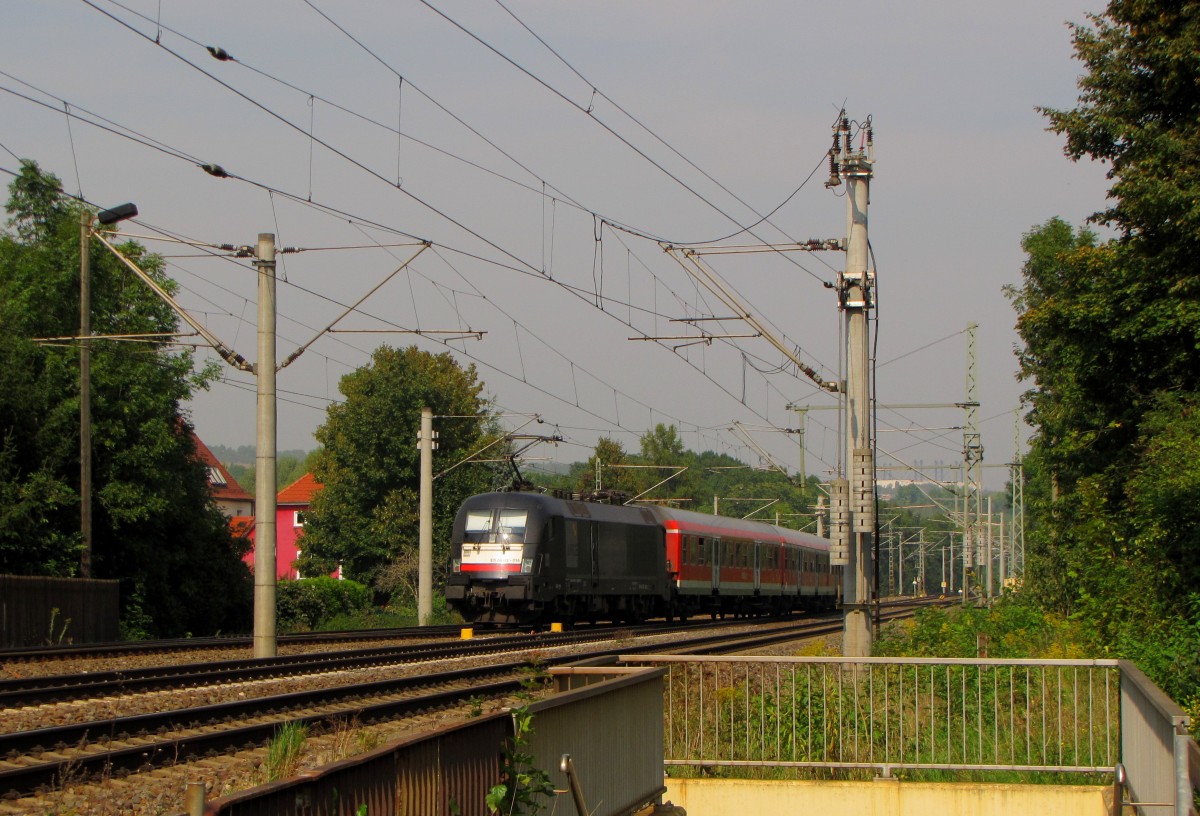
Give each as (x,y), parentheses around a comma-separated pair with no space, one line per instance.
(721,565)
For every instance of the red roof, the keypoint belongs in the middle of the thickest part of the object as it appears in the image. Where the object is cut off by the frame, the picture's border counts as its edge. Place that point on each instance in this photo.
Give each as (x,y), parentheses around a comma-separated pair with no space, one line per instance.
(242,527)
(223,485)
(300,491)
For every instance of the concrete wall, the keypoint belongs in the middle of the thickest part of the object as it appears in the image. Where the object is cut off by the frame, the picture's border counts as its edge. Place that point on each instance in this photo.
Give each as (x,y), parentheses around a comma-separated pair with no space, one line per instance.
(739,797)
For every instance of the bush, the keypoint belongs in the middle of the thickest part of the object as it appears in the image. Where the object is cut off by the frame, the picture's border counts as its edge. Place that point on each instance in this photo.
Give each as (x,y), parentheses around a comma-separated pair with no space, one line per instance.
(1014,629)
(308,603)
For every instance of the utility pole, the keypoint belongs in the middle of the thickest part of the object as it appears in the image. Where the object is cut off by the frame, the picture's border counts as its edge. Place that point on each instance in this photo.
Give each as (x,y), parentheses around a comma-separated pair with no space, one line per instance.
(988,541)
(1017,564)
(855,295)
(85,393)
(972,465)
(950,542)
(1003,563)
(921,561)
(425,537)
(967,541)
(105,217)
(802,420)
(265,450)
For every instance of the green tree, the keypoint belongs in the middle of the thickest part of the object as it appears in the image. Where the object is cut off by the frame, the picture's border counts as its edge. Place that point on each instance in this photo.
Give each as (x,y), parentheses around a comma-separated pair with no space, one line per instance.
(366,517)
(609,453)
(154,525)
(662,446)
(1111,337)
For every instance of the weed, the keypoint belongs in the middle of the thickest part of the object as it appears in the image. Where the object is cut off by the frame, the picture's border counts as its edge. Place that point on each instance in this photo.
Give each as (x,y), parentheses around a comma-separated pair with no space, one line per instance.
(345,738)
(525,785)
(476,702)
(368,740)
(623,637)
(534,677)
(818,647)
(52,639)
(283,754)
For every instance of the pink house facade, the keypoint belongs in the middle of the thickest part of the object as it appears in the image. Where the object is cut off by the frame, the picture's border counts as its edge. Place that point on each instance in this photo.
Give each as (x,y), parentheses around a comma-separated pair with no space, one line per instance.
(290,506)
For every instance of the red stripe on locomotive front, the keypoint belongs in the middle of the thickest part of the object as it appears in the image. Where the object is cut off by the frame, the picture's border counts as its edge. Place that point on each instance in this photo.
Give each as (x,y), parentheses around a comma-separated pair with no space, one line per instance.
(491,567)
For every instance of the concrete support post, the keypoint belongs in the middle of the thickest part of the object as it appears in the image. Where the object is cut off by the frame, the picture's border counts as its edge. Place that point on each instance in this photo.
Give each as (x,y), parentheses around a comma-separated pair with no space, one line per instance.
(991,584)
(425,538)
(856,291)
(194,798)
(85,393)
(1003,560)
(264,474)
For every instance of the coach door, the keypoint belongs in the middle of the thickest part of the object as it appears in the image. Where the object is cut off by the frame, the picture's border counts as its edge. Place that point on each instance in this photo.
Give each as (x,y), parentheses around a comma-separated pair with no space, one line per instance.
(716,563)
(594,548)
(760,553)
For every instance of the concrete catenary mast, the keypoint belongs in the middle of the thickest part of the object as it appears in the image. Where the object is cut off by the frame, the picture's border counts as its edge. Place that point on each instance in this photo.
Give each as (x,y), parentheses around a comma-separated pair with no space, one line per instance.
(855,299)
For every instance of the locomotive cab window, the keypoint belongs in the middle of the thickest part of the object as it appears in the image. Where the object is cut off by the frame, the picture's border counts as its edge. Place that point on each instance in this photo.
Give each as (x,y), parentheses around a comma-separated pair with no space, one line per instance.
(486,527)
(478,526)
(511,526)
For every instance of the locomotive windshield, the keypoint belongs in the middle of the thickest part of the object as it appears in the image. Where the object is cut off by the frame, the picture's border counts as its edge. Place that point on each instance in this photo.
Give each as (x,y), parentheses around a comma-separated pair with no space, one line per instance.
(495,527)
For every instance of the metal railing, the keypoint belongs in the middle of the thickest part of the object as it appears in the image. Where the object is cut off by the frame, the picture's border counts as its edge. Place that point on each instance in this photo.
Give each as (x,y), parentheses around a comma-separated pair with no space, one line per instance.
(612,730)
(1155,746)
(891,713)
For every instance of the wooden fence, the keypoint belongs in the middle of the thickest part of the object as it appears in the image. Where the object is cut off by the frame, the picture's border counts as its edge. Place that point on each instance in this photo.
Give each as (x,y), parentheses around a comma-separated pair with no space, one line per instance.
(41,611)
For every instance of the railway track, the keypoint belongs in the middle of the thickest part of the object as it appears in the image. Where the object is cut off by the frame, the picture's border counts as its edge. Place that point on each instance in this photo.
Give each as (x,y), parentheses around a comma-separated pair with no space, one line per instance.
(22,692)
(41,759)
(36,654)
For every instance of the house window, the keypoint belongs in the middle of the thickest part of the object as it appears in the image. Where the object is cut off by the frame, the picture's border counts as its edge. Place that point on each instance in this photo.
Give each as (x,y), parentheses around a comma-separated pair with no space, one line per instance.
(301,519)
(216,478)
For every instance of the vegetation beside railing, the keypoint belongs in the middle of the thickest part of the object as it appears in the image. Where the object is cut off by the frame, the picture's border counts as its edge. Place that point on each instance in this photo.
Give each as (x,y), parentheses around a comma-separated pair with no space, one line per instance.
(814,714)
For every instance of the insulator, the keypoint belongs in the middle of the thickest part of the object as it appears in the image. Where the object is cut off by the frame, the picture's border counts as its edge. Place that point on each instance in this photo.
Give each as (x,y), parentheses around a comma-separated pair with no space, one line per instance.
(862,493)
(839,522)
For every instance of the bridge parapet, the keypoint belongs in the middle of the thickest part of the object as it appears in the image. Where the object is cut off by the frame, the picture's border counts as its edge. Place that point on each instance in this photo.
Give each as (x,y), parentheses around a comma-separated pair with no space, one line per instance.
(1048,718)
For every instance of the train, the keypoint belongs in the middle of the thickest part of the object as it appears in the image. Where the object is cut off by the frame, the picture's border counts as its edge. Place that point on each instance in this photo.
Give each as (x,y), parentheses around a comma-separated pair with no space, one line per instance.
(524,557)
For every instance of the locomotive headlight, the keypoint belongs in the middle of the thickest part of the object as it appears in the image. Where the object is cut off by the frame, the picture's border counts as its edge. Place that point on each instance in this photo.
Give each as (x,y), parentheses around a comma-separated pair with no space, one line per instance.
(526,565)
(456,565)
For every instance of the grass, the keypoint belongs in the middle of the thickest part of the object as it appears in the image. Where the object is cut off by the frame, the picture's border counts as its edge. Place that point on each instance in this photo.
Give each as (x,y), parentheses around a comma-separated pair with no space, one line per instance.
(283,753)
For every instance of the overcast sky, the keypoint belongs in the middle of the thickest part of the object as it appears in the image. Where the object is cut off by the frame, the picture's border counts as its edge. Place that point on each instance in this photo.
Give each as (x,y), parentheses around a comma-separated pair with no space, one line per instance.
(547,172)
